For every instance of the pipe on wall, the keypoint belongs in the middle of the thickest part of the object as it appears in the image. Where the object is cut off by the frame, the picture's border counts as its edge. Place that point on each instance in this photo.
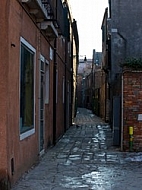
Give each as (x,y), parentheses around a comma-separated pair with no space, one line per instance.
(122,113)
(54,93)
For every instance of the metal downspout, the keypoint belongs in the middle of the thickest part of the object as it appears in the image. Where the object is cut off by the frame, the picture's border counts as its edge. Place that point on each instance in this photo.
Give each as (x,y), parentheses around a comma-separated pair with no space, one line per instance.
(122,113)
(54,93)
(65,94)
(65,101)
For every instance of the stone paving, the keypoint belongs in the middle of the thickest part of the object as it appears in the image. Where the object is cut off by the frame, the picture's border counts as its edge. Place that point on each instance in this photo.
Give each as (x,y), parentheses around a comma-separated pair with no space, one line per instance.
(84,158)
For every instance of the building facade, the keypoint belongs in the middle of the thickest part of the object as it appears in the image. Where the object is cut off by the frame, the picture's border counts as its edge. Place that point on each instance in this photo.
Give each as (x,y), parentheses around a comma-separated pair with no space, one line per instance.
(36,81)
(122,32)
(83,73)
(105,98)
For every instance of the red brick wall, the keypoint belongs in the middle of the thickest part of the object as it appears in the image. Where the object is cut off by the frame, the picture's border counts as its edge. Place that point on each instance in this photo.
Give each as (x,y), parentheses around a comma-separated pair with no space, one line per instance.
(132,107)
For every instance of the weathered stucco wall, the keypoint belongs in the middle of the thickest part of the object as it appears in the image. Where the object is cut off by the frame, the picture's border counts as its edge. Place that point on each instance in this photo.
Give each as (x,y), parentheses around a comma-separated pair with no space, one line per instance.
(126,32)
(4,58)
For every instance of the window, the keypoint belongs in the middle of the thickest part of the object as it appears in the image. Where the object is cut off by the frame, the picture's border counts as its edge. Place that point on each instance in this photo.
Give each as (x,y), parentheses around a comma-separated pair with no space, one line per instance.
(47,83)
(26,89)
(103,33)
(63,89)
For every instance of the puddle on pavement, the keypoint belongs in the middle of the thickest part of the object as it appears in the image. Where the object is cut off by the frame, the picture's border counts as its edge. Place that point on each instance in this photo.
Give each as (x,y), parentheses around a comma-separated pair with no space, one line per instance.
(134,157)
(64,140)
(73,183)
(74,157)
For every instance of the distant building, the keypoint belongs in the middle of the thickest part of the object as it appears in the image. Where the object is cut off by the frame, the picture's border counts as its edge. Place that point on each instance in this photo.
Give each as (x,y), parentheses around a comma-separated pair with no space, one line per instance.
(89,82)
(122,39)
(84,69)
(97,57)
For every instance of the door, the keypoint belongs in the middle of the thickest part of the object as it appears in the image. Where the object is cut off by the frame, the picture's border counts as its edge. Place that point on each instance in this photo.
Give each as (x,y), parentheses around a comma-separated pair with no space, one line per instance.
(41,105)
(68,105)
(116,120)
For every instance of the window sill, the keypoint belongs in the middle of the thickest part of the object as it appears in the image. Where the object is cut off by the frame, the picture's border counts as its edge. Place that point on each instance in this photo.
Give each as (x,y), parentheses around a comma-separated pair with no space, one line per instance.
(27,134)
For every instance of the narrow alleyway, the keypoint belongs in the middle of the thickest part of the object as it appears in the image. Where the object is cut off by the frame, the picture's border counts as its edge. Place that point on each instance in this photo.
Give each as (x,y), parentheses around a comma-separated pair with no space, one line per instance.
(84,158)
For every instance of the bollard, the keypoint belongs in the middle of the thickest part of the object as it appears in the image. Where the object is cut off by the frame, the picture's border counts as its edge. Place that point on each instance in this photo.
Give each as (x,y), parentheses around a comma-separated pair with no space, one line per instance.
(130,138)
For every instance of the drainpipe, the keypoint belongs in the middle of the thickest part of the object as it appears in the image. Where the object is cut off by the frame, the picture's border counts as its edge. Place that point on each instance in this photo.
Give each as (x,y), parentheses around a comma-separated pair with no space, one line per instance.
(65,87)
(54,93)
(54,82)
(65,99)
(65,73)
(122,114)
(125,48)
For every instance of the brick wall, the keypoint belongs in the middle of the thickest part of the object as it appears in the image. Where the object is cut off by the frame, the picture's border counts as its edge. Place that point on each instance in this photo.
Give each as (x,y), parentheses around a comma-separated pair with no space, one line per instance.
(132,107)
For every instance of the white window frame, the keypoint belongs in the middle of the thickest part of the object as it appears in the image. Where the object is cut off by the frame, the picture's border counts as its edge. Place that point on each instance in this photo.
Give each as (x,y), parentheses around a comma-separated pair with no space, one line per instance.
(51,53)
(28,45)
(43,60)
(47,82)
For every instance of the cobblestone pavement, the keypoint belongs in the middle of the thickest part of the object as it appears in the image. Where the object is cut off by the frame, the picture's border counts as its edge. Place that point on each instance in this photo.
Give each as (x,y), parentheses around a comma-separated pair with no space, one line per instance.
(84,158)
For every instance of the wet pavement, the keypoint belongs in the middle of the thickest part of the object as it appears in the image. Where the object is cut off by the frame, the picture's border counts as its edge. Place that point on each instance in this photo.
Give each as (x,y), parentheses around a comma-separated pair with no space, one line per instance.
(84,158)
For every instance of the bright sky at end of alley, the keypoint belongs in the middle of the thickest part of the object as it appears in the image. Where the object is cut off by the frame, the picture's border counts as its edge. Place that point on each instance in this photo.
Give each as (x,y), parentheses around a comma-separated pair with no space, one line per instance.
(89,15)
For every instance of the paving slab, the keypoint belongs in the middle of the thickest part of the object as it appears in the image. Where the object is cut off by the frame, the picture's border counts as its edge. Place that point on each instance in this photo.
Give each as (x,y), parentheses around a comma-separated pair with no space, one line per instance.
(85,159)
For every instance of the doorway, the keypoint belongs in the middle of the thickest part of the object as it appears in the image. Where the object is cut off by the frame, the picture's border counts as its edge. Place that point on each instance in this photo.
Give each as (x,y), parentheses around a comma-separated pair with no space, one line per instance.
(41,104)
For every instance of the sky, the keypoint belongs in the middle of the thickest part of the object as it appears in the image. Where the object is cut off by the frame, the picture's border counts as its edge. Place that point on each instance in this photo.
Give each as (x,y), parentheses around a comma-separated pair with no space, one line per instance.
(89,15)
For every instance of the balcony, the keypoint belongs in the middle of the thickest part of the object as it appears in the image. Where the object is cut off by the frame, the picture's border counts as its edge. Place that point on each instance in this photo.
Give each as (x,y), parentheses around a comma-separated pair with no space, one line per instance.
(50,6)
(55,13)
(36,8)
(49,13)
(60,17)
(49,29)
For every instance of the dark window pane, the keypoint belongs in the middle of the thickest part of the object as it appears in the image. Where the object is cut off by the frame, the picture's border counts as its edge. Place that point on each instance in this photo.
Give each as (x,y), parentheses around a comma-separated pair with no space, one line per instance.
(26,89)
